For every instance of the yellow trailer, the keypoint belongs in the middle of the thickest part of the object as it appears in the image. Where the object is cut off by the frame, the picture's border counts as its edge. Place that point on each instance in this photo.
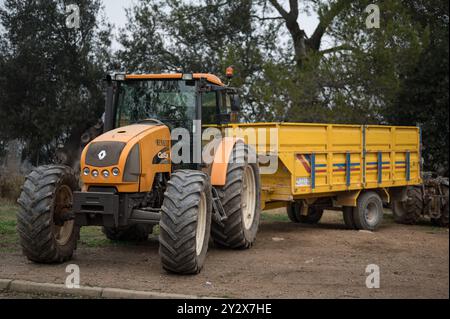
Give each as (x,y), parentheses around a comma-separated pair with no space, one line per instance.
(322,166)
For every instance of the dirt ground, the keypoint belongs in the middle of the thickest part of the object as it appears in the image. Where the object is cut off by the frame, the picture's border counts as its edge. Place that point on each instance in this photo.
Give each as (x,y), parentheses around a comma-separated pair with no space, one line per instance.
(287,261)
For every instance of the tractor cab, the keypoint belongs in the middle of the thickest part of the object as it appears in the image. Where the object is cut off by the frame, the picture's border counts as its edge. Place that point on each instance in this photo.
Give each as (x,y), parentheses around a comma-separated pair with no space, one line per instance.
(176,100)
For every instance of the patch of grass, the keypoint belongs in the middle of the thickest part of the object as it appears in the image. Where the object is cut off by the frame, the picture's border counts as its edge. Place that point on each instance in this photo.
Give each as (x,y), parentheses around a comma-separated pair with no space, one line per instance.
(274,217)
(7,227)
(93,237)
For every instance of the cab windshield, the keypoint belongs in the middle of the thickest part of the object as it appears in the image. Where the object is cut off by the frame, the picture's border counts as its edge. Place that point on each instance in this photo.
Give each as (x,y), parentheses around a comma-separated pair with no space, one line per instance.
(169,101)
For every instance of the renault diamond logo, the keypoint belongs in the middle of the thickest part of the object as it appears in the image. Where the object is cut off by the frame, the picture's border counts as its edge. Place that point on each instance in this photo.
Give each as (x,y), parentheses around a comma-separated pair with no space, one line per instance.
(102,155)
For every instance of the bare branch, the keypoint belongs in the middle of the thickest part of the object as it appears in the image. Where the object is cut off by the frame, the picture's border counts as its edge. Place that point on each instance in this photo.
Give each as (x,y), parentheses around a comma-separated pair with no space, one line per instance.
(326,19)
(279,8)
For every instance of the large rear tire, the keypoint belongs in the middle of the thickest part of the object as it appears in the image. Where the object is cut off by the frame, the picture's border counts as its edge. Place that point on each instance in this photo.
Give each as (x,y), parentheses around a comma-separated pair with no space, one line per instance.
(241,200)
(409,212)
(185,222)
(47,232)
(137,233)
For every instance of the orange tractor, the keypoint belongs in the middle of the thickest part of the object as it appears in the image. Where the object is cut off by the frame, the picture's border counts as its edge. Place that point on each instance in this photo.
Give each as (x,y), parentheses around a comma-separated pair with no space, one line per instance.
(130,180)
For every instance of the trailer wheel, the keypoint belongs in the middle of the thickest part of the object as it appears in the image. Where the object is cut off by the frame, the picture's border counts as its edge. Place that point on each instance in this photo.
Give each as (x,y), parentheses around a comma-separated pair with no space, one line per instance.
(138,233)
(241,200)
(48,234)
(185,222)
(295,215)
(409,211)
(348,217)
(292,211)
(314,216)
(369,212)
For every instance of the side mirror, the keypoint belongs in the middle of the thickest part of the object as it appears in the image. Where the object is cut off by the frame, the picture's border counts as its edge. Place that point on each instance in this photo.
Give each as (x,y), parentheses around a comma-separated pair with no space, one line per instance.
(235,103)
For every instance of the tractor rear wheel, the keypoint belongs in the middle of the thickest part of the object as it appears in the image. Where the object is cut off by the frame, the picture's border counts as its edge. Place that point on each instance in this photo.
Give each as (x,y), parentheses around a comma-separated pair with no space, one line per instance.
(185,222)
(409,211)
(47,231)
(137,233)
(241,200)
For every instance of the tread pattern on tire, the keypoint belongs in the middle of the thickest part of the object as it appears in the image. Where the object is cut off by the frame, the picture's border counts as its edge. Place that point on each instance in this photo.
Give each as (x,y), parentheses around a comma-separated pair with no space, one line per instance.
(179,221)
(35,216)
(232,234)
(410,211)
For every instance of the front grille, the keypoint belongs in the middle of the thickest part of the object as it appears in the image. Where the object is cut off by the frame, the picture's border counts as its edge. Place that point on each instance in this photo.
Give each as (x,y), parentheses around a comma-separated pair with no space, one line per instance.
(104,154)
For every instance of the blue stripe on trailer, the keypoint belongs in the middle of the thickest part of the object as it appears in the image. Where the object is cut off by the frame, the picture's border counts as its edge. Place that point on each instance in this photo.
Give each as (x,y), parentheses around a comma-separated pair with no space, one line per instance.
(348,168)
(380,167)
(408,166)
(313,171)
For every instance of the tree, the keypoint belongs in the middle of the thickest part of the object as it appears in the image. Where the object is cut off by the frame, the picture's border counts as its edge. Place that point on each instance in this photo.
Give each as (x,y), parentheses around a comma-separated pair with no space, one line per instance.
(51,73)
(423,98)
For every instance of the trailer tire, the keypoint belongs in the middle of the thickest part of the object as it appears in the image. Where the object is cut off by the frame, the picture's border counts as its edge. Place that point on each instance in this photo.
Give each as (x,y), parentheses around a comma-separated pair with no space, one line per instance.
(136,233)
(185,224)
(314,216)
(368,214)
(47,195)
(241,200)
(348,217)
(408,212)
(292,210)
(295,215)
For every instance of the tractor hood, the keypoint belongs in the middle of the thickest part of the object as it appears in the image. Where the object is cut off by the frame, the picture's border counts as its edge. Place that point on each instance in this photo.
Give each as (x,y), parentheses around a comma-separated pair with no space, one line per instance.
(106,150)
(125,134)
(127,158)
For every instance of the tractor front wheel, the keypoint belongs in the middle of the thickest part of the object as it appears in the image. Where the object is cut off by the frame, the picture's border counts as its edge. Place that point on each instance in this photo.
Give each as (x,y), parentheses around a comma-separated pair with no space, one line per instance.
(46,227)
(185,222)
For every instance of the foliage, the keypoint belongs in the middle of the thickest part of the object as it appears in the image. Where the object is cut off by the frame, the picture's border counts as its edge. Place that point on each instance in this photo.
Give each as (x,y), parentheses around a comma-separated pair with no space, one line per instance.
(51,74)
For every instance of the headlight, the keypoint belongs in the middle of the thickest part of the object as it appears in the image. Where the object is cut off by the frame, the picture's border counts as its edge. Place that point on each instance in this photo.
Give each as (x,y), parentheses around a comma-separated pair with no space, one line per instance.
(105,174)
(115,171)
(86,171)
(95,173)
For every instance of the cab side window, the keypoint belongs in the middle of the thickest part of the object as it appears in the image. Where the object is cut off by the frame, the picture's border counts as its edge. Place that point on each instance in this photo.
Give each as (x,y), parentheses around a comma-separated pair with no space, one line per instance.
(209,109)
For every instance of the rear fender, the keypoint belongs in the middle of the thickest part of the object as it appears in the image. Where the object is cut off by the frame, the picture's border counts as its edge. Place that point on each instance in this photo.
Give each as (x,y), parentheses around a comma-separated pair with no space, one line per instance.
(221,160)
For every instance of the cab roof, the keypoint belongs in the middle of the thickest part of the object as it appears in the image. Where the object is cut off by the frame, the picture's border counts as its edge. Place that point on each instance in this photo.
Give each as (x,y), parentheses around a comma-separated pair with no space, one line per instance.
(175,76)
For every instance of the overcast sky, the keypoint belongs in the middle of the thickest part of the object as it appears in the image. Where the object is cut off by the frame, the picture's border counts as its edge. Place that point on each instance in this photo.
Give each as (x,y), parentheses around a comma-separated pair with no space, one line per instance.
(115,12)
